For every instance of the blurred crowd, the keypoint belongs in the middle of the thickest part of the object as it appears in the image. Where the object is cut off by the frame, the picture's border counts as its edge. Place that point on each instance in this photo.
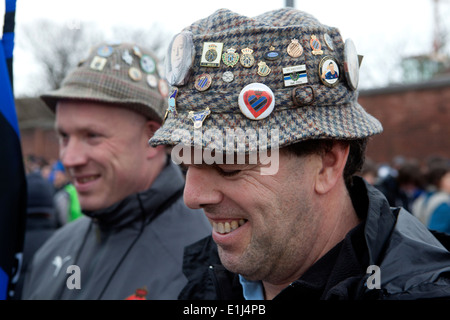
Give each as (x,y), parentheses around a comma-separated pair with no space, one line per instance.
(51,203)
(421,187)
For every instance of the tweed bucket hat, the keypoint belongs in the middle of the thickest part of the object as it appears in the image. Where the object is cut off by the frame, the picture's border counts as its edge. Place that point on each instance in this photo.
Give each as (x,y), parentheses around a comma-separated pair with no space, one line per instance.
(120,73)
(281,70)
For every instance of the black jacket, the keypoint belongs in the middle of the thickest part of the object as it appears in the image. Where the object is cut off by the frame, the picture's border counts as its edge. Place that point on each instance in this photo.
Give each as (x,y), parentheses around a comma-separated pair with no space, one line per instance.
(413,264)
(132,249)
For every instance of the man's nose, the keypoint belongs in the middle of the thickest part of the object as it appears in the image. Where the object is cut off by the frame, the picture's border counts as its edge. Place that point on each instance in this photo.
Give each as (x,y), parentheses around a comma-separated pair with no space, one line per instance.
(73,154)
(201,187)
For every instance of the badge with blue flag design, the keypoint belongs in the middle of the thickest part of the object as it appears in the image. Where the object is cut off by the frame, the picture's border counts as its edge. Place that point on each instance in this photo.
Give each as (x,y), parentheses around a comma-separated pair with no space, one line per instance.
(202,82)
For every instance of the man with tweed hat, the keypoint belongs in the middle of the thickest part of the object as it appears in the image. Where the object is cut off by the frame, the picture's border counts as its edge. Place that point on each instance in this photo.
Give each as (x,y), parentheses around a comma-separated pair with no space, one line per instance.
(129,243)
(254,98)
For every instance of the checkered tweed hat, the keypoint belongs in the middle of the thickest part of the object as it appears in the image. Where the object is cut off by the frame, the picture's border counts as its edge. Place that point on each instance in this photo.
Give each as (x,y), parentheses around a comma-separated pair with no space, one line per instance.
(297,49)
(123,73)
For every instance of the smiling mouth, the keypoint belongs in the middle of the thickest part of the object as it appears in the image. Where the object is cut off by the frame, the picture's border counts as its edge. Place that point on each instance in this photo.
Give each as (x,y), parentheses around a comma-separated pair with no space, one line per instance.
(86,179)
(228,226)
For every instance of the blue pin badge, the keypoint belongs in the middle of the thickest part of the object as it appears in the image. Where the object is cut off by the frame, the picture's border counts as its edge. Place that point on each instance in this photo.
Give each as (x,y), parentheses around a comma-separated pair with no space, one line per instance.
(198,117)
(172,108)
(172,102)
(202,82)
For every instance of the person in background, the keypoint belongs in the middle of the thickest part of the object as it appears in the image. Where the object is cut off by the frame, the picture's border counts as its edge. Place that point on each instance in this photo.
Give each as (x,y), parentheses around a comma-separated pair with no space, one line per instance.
(432,208)
(401,184)
(40,223)
(66,197)
(130,240)
(369,171)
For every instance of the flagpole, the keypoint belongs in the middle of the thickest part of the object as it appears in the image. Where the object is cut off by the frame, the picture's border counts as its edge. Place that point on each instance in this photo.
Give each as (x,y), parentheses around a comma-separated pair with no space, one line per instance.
(8,36)
(13,188)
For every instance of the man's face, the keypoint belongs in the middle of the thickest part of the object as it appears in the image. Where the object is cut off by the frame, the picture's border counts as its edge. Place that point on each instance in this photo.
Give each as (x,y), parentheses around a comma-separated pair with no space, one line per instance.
(264,225)
(103,150)
(331,67)
(177,52)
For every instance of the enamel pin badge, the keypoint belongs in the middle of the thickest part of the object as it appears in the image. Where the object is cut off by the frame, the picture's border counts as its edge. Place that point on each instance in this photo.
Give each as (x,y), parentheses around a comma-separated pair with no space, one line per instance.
(179,59)
(198,117)
(351,64)
(315,45)
(294,49)
(247,59)
(211,54)
(231,57)
(295,75)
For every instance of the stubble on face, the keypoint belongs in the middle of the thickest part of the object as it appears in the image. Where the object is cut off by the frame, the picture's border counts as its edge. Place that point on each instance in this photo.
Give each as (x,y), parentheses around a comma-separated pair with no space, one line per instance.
(281,225)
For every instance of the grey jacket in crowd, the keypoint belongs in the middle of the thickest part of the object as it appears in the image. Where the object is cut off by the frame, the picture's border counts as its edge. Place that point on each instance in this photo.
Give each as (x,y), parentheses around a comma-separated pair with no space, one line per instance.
(133,249)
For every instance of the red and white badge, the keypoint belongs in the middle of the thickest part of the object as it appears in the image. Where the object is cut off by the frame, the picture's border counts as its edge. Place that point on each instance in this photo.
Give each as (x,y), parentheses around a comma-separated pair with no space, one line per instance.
(256,101)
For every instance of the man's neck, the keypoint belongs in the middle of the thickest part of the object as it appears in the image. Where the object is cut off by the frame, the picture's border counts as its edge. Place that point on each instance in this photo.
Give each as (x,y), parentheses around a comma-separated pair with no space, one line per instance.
(339,217)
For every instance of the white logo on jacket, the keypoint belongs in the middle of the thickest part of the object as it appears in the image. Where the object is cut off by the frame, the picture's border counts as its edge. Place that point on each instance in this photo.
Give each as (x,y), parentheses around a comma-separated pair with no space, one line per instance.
(58,261)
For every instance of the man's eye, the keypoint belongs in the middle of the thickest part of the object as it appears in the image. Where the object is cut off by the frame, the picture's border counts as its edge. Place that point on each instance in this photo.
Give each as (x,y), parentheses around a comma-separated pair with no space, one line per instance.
(227,172)
(92,135)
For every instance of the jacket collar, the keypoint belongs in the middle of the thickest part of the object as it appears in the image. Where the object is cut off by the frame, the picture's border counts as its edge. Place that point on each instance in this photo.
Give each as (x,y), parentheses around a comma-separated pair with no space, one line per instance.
(142,205)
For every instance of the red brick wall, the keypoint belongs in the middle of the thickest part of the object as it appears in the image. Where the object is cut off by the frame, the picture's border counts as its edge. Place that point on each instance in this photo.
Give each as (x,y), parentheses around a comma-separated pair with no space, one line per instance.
(416,123)
(39,142)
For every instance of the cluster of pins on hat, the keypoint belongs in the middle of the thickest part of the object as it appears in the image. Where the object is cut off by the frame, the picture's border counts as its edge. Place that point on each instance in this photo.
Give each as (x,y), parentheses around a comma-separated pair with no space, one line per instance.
(148,67)
(256,100)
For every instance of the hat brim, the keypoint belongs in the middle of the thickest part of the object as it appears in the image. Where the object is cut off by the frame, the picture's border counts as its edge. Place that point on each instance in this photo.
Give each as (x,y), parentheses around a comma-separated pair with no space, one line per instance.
(88,94)
(345,122)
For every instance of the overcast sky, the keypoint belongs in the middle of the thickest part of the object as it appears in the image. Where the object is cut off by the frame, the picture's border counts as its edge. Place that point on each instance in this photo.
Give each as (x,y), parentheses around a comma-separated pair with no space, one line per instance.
(382,30)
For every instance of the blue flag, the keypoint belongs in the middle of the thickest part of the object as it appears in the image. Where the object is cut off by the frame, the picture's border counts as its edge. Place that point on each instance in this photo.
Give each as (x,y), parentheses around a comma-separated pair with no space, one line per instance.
(13,194)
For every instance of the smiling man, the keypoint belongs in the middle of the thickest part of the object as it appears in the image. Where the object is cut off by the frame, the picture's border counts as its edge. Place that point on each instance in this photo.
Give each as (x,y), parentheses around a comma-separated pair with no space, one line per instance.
(129,243)
(310,228)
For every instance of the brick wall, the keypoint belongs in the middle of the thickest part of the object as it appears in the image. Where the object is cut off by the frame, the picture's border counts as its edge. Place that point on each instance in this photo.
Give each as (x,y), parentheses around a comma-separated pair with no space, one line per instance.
(416,121)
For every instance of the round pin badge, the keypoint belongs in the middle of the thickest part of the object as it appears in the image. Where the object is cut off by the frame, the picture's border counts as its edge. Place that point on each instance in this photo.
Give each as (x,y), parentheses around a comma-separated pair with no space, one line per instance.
(351,64)
(105,51)
(135,74)
(228,76)
(329,72)
(272,54)
(179,59)
(256,101)
(328,41)
(147,63)
(294,49)
(202,82)
(152,81)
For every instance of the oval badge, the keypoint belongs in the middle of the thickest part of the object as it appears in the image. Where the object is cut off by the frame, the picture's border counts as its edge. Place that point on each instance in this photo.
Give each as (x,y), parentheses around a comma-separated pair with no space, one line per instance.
(256,101)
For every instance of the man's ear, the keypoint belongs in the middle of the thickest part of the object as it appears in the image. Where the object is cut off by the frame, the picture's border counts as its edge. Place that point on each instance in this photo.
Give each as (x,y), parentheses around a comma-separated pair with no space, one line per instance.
(150,129)
(333,163)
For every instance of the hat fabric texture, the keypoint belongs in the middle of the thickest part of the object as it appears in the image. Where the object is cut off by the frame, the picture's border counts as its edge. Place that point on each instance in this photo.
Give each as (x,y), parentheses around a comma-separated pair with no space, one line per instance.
(124,74)
(310,110)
